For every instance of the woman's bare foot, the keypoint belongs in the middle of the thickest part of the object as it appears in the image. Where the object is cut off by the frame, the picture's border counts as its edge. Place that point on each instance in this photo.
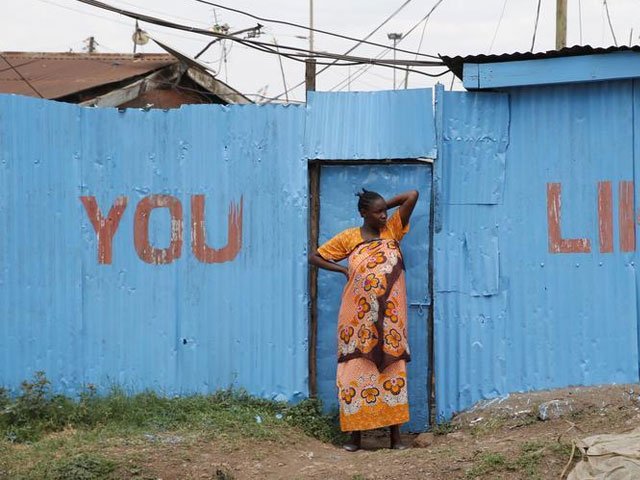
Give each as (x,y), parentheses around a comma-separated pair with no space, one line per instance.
(396,440)
(354,444)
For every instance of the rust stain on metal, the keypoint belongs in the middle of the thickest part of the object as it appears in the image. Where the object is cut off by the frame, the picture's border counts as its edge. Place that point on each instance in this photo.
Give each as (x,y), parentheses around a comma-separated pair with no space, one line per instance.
(147,252)
(605,216)
(557,244)
(58,74)
(105,228)
(201,250)
(626,217)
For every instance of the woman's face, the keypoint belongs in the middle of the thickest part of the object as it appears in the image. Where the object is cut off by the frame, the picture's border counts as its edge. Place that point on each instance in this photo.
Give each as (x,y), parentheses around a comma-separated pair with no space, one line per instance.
(376,215)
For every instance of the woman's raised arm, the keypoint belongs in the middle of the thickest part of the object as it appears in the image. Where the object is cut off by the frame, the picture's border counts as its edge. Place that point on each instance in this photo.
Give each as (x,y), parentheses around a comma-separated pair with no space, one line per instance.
(407,202)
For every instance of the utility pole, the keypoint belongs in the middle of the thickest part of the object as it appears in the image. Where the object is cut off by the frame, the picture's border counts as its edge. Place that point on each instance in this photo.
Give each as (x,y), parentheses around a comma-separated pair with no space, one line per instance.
(311,25)
(310,63)
(310,74)
(394,37)
(91,44)
(561,24)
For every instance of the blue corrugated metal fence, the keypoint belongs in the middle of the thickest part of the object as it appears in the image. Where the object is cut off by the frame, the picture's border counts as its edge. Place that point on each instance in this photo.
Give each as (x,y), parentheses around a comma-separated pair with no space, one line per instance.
(167,250)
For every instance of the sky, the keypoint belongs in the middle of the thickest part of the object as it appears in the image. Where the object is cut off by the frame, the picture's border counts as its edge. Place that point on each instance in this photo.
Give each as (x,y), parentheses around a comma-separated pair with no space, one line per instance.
(456,27)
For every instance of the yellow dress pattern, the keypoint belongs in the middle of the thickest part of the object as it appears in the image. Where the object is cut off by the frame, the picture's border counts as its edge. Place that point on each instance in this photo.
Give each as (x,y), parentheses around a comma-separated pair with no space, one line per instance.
(369,397)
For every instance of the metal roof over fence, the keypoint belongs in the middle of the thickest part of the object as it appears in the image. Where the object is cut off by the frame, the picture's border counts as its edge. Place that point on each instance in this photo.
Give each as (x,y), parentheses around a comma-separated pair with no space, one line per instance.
(456,63)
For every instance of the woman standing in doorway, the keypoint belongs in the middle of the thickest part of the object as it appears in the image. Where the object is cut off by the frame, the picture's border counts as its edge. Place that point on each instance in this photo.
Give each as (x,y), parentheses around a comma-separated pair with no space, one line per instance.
(372,323)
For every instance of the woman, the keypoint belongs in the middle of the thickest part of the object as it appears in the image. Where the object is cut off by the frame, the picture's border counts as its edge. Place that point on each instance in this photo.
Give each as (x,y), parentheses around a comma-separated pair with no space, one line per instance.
(372,323)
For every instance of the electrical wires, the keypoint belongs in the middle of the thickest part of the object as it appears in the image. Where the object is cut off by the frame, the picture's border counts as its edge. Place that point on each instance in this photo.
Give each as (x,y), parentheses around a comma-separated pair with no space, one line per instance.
(613,34)
(363,69)
(580,17)
(535,28)
(495,34)
(324,32)
(359,42)
(293,53)
(20,75)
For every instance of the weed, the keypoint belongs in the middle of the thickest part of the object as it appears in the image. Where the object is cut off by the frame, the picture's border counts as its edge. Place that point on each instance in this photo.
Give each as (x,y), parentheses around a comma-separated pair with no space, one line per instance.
(223,474)
(4,398)
(307,415)
(488,463)
(489,426)
(532,447)
(561,449)
(529,458)
(525,420)
(33,411)
(443,428)
(526,462)
(83,467)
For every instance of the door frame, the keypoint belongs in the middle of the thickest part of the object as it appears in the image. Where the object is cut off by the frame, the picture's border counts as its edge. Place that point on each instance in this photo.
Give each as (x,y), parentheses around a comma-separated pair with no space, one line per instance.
(314,172)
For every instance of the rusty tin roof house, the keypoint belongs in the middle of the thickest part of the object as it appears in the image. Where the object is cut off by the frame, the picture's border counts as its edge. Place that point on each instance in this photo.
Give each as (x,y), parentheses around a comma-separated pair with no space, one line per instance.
(151,80)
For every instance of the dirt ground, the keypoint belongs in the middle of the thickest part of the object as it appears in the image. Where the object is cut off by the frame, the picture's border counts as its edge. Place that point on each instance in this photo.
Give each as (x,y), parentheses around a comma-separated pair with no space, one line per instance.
(501,439)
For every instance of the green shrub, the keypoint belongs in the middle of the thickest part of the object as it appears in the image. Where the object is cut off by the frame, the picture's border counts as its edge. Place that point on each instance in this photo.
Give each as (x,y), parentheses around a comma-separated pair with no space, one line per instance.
(34,411)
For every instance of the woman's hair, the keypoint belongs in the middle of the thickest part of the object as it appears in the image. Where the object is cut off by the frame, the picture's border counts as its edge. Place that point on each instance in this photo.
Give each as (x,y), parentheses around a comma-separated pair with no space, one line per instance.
(366,198)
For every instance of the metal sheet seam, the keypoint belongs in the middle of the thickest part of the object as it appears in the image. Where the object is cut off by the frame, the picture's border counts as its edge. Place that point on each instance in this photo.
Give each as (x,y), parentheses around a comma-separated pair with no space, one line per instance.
(437,173)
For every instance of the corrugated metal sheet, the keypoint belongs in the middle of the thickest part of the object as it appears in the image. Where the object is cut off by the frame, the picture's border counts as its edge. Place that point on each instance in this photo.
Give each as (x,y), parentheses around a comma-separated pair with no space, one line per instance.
(456,63)
(58,74)
(511,315)
(370,125)
(180,327)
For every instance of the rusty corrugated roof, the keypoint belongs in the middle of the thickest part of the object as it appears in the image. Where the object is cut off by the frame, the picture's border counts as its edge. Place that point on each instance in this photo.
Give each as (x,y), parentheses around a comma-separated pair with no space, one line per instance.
(55,75)
(455,64)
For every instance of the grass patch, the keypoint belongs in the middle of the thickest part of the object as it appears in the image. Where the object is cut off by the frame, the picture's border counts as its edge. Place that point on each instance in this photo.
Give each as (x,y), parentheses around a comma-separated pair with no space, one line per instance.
(561,449)
(529,459)
(35,412)
(48,436)
(526,462)
(83,467)
(487,463)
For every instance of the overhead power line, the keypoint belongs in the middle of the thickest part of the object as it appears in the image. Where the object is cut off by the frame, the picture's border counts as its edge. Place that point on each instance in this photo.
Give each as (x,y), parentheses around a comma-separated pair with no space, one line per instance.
(580,17)
(294,53)
(363,69)
(495,34)
(16,66)
(159,12)
(613,34)
(284,78)
(20,75)
(424,30)
(360,42)
(215,40)
(113,20)
(535,27)
(317,30)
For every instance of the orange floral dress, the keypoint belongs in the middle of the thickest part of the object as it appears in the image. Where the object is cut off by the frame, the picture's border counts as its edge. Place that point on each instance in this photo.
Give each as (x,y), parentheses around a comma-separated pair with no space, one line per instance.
(372,328)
